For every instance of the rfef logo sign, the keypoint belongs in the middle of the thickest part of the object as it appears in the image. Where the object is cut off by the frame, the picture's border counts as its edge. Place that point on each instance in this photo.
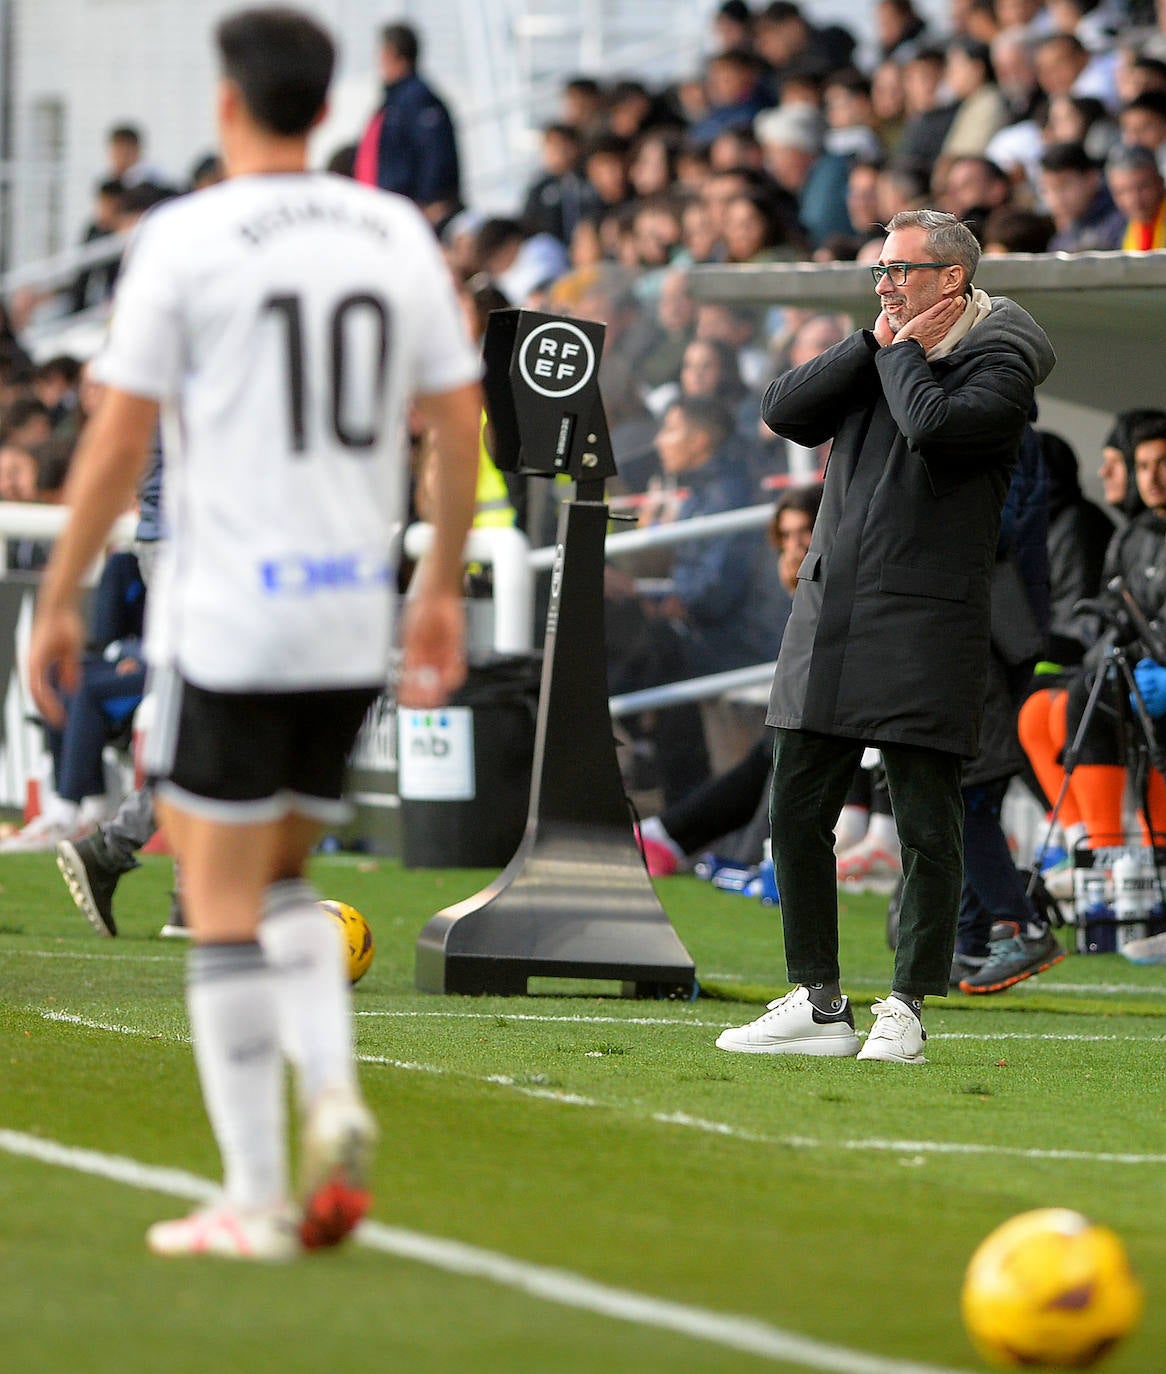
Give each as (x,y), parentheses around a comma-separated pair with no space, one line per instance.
(556,359)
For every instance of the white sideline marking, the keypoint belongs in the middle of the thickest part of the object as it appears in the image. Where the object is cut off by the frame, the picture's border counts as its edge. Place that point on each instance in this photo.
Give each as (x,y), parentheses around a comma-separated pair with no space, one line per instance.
(1023,989)
(683,1119)
(561,1286)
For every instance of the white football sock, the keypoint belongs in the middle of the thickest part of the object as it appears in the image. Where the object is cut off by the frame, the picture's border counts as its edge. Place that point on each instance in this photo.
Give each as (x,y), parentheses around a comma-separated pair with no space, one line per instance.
(883,831)
(851,827)
(314,996)
(230,996)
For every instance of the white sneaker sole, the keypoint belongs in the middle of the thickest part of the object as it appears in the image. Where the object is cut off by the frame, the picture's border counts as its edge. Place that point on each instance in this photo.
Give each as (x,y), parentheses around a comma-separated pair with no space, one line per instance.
(886,1055)
(223,1235)
(825,1047)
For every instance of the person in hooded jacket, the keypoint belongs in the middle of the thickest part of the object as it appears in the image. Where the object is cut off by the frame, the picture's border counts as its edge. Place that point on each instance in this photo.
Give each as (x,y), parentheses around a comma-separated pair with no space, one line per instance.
(888,641)
(1074,534)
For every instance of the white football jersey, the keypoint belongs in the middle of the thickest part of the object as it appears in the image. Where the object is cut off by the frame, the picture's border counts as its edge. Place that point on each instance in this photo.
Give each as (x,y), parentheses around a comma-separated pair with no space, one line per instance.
(283,321)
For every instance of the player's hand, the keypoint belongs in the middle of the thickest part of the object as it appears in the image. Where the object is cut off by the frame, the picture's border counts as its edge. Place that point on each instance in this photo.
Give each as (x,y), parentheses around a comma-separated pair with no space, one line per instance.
(54,660)
(932,324)
(433,639)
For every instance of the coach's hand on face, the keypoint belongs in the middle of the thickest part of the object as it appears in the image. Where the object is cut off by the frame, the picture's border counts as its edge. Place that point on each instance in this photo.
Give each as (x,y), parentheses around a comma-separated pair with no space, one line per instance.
(931,325)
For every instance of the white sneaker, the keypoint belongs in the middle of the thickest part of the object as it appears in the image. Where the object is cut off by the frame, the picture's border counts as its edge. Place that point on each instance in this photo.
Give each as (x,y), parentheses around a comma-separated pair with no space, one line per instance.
(869,867)
(268,1233)
(339,1138)
(897,1035)
(40,836)
(793,1025)
(1151,950)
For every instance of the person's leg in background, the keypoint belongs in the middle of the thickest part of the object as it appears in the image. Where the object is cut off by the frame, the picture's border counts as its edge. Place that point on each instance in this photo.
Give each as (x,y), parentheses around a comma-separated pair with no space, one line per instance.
(994,894)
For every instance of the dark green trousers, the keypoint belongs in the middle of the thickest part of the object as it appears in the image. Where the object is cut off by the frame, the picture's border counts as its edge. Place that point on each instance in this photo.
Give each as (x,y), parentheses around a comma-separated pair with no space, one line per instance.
(811,776)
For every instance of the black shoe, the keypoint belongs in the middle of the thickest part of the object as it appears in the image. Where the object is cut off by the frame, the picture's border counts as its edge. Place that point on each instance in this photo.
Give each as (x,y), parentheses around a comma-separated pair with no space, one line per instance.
(1013,960)
(965,966)
(91,875)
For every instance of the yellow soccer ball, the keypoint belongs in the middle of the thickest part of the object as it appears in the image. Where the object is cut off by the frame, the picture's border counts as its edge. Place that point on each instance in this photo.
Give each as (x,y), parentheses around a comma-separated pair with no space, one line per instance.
(357,937)
(1049,1289)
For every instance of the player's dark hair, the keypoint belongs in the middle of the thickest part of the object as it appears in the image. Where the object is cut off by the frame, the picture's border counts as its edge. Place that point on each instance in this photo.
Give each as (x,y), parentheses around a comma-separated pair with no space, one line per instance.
(281,61)
(125,133)
(709,416)
(1151,429)
(403,40)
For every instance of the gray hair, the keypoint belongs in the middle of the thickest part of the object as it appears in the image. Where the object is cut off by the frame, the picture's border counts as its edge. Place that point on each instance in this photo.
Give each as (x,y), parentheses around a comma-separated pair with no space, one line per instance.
(1131,157)
(948,238)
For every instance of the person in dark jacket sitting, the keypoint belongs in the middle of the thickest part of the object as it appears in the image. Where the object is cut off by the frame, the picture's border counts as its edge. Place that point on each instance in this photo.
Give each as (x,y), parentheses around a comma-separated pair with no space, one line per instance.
(888,641)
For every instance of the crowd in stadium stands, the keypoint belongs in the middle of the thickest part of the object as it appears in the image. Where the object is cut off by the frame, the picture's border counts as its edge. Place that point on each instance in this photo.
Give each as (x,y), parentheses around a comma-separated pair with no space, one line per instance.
(1041,125)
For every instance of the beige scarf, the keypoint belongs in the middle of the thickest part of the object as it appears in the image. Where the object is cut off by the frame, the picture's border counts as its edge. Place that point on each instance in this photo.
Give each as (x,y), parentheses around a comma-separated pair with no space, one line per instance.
(978,308)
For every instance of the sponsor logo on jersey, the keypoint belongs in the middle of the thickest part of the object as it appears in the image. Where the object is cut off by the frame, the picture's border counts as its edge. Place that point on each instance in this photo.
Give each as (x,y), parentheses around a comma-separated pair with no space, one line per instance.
(302,574)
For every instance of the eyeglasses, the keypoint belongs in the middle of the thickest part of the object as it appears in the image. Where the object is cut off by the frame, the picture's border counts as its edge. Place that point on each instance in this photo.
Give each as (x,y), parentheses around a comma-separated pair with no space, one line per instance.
(897,271)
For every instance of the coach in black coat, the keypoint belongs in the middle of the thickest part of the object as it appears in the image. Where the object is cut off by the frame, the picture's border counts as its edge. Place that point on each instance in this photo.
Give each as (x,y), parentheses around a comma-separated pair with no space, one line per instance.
(888,641)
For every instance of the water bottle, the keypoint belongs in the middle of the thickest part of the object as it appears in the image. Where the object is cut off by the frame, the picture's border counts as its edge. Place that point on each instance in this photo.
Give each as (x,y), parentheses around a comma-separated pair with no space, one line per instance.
(1095,934)
(734,877)
(1133,884)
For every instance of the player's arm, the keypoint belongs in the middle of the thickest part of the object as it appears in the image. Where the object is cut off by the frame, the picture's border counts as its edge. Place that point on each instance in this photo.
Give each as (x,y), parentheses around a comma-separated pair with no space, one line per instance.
(434,620)
(110,459)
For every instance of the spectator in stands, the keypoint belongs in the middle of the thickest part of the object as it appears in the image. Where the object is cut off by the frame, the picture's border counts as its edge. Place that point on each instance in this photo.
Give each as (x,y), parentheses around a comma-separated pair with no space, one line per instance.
(581,105)
(758,228)
(409,145)
(902,185)
(1074,191)
(1065,67)
(791,139)
(714,617)
(124,146)
(1015,72)
(980,108)
(1080,119)
(1137,72)
(850,116)
(734,148)
(972,188)
(790,45)
(95,284)
(1136,185)
(26,422)
(862,203)
(1015,229)
(652,162)
(1142,123)
(209,169)
(929,112)
(55,384)
(735,94)
(559,198)
(732,25)
(888,101)
(900,30)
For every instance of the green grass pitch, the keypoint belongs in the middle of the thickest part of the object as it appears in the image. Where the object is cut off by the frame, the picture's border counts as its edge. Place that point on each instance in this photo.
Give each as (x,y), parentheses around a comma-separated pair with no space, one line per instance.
(700,1211)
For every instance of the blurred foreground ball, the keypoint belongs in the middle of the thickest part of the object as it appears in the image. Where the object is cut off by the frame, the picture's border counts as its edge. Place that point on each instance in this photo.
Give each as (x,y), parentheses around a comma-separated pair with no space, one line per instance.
(1049,1289)
(357,937)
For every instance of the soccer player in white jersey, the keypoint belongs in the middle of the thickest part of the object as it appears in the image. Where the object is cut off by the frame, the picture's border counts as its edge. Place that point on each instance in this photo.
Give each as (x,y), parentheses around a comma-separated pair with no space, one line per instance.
(282,321)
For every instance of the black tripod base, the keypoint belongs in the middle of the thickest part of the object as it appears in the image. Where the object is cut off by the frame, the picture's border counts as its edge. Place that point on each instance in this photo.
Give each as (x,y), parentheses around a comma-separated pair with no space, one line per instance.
(574,902)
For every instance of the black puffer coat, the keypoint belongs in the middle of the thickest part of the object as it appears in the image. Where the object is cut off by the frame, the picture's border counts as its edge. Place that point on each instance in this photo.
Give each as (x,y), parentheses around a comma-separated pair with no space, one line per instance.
(888,640)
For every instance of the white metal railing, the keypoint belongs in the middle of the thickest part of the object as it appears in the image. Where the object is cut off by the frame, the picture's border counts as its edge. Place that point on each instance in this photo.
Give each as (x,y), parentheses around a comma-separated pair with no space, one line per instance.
(516,564)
